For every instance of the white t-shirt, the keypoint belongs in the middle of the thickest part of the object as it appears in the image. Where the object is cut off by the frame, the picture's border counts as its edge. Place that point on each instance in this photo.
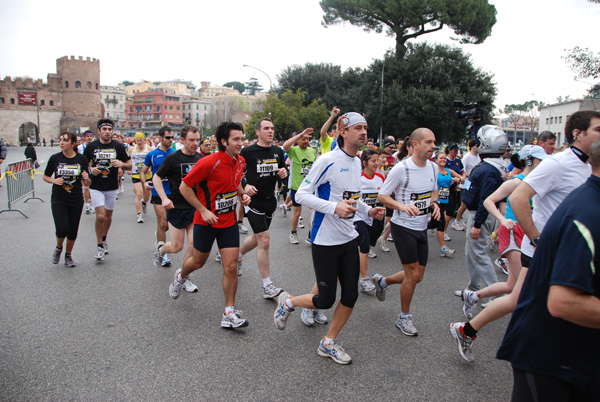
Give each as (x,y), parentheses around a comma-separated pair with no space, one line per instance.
(412,185)
(552,181)
(470,161)
(369,189)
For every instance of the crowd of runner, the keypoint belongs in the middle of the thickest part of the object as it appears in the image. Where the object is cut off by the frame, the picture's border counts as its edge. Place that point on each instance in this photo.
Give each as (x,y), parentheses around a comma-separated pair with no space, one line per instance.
(362,196)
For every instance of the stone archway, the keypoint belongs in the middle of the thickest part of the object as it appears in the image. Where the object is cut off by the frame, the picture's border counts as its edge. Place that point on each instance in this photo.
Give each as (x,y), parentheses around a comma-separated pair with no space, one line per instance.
(28,132)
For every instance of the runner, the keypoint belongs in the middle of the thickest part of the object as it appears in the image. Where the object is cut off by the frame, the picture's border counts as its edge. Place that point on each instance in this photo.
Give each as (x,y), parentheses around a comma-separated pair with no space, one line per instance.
(445,179)
(69,169)
(264,162)
(152,162)
(138,154)
(367,228)
(88,136)
(414,181)
(180,213)
(511,236)
(106,157)
(218,181)
(332,189)
(301,158)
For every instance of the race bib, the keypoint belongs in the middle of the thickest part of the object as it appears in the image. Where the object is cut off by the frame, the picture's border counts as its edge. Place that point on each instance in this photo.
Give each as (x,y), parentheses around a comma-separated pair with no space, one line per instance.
(186,168)
(225,203)
(103,158)
(351,195)
(370,199)
(267,166)
(444,193)
(421,201)
(69,174)
(305,169)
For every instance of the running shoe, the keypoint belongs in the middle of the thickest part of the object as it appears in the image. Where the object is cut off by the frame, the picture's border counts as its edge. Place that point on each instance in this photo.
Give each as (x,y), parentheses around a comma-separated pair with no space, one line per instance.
(465,342)
(456,225)
(189,286)
(366,285)
(121,189)
(293,238)
(446,252)
(139,218)
(99,254)
(446,237)
(383,245)
(218,257)
(491,244)
(379,291)
(105,245)
(406,325)
(300,224)
(166,261)
(233,320)
(282,312)
(69,262)
(372,253)
(56,255)
(320,318)
(239,267)
(308,316)
(283,209)
(308,241)
(270,291)
(243,229)
(158,257)
(144,208)
(335,351)
(458,293)
(468,302)
(502,263)
(88,209)
(175,286)
(390,237)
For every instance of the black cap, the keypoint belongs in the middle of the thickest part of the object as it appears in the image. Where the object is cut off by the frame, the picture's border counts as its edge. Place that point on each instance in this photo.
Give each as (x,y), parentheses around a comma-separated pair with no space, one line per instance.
(453,146)
(388,142)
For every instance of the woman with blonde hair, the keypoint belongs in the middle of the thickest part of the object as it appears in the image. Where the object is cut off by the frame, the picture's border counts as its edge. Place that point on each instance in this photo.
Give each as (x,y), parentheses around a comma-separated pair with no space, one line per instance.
(138,154)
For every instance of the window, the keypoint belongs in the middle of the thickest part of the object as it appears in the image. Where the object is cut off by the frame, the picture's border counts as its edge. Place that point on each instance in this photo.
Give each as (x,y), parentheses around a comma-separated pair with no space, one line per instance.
(88,85)
(158,108)
(66,84)
(12,101)
(51,103)
(1,100)
(560,119)
(205,109)
(149,99)
(177,107)
(42,102)
(546,120)
(171,107)
(166,116)
(96,86)
(131,110)
(77,84)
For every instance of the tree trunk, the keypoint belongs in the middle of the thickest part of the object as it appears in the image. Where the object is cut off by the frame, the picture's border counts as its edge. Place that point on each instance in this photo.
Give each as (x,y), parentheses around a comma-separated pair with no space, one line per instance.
(400,47)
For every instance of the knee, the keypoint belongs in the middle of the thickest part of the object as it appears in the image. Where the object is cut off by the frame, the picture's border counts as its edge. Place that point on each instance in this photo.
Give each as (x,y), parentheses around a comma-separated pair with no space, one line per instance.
(322,301)
(264,243)
(349,298)
(100,217)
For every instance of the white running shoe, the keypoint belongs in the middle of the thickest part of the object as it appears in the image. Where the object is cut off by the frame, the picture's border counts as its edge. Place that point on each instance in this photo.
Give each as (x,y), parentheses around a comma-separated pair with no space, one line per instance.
(284,209)
(282,312)
(166,261)
(502,263)
(105,245)
(270,291)
(218,257)
(335,351)
(406,325)
(383,245)
(468,302)
(144,208)
(175,286)
(233,320)
(320,318)
(366,285)
(379,291)
(308,316)
(69,261)
(158,257)
(446,237)
(189,286)
(293,238)
(56,255)
(372,253)
(99,254)
(239,267)
(458,225)
(465,343)
(446,252)
(140,219)
(243,229)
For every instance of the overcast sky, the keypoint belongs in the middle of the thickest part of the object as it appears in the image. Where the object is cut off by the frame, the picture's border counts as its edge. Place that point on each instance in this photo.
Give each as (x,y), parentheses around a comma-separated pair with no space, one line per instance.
(211,41)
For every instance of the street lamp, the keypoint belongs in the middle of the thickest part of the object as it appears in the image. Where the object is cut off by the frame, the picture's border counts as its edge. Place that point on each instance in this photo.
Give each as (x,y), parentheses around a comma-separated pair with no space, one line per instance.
(270,84)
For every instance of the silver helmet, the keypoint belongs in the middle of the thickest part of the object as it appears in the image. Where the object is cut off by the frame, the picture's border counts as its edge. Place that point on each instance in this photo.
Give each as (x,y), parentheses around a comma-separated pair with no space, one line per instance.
(491,141)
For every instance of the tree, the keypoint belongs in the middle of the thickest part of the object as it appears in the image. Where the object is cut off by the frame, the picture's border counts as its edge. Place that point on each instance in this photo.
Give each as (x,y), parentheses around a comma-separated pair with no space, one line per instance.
(471,20)
(583,62)
(289,114)
(594,91)
(236,85)
(125,83)
(253,86)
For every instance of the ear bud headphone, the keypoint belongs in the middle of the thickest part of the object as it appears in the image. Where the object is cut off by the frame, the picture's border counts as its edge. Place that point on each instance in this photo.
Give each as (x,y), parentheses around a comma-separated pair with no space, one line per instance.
(529,161)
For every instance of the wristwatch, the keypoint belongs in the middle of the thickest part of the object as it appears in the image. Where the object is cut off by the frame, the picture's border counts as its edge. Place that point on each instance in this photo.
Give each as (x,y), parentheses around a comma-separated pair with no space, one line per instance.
(534,241)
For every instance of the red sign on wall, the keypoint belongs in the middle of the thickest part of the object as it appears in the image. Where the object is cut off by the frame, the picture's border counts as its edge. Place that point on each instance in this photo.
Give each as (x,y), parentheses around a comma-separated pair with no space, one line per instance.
(27,98)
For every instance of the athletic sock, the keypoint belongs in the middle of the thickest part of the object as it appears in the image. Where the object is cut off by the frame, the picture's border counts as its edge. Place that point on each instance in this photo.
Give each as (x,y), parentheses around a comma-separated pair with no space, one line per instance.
(469,331)
(240,256)
(294,232)
(328,341)
(288,302)
(404,315)
(266,281)
(101,245)
(180,278)
(58,248)
(228,309)
(103,238)
(383,283)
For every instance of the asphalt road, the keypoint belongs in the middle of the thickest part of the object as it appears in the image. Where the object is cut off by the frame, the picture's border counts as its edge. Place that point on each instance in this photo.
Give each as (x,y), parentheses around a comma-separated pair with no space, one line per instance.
(109,331)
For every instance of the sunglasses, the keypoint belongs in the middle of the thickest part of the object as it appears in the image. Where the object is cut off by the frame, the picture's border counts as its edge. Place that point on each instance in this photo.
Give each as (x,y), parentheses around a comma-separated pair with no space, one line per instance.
(168,138)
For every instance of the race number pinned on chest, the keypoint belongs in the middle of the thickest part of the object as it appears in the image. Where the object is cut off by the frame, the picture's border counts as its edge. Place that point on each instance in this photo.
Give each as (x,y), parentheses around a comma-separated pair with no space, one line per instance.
(444,193)
(267,166)
(226,202)
(351,195)
(305,169)
(421,201)
(69,173)
(370,199)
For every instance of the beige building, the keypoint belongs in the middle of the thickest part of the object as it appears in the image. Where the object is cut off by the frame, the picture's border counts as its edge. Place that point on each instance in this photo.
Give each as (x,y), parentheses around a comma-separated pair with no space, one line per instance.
(70,101)
(114,100)
(554,117)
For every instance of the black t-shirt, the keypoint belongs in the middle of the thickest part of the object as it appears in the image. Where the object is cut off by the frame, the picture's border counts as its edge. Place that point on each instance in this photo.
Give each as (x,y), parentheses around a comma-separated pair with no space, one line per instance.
(70,169)
(174,168)
(261,168)
(100,155)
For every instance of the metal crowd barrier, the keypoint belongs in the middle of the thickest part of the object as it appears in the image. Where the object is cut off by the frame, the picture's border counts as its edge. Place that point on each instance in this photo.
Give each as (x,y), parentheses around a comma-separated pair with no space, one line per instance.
(19,183)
